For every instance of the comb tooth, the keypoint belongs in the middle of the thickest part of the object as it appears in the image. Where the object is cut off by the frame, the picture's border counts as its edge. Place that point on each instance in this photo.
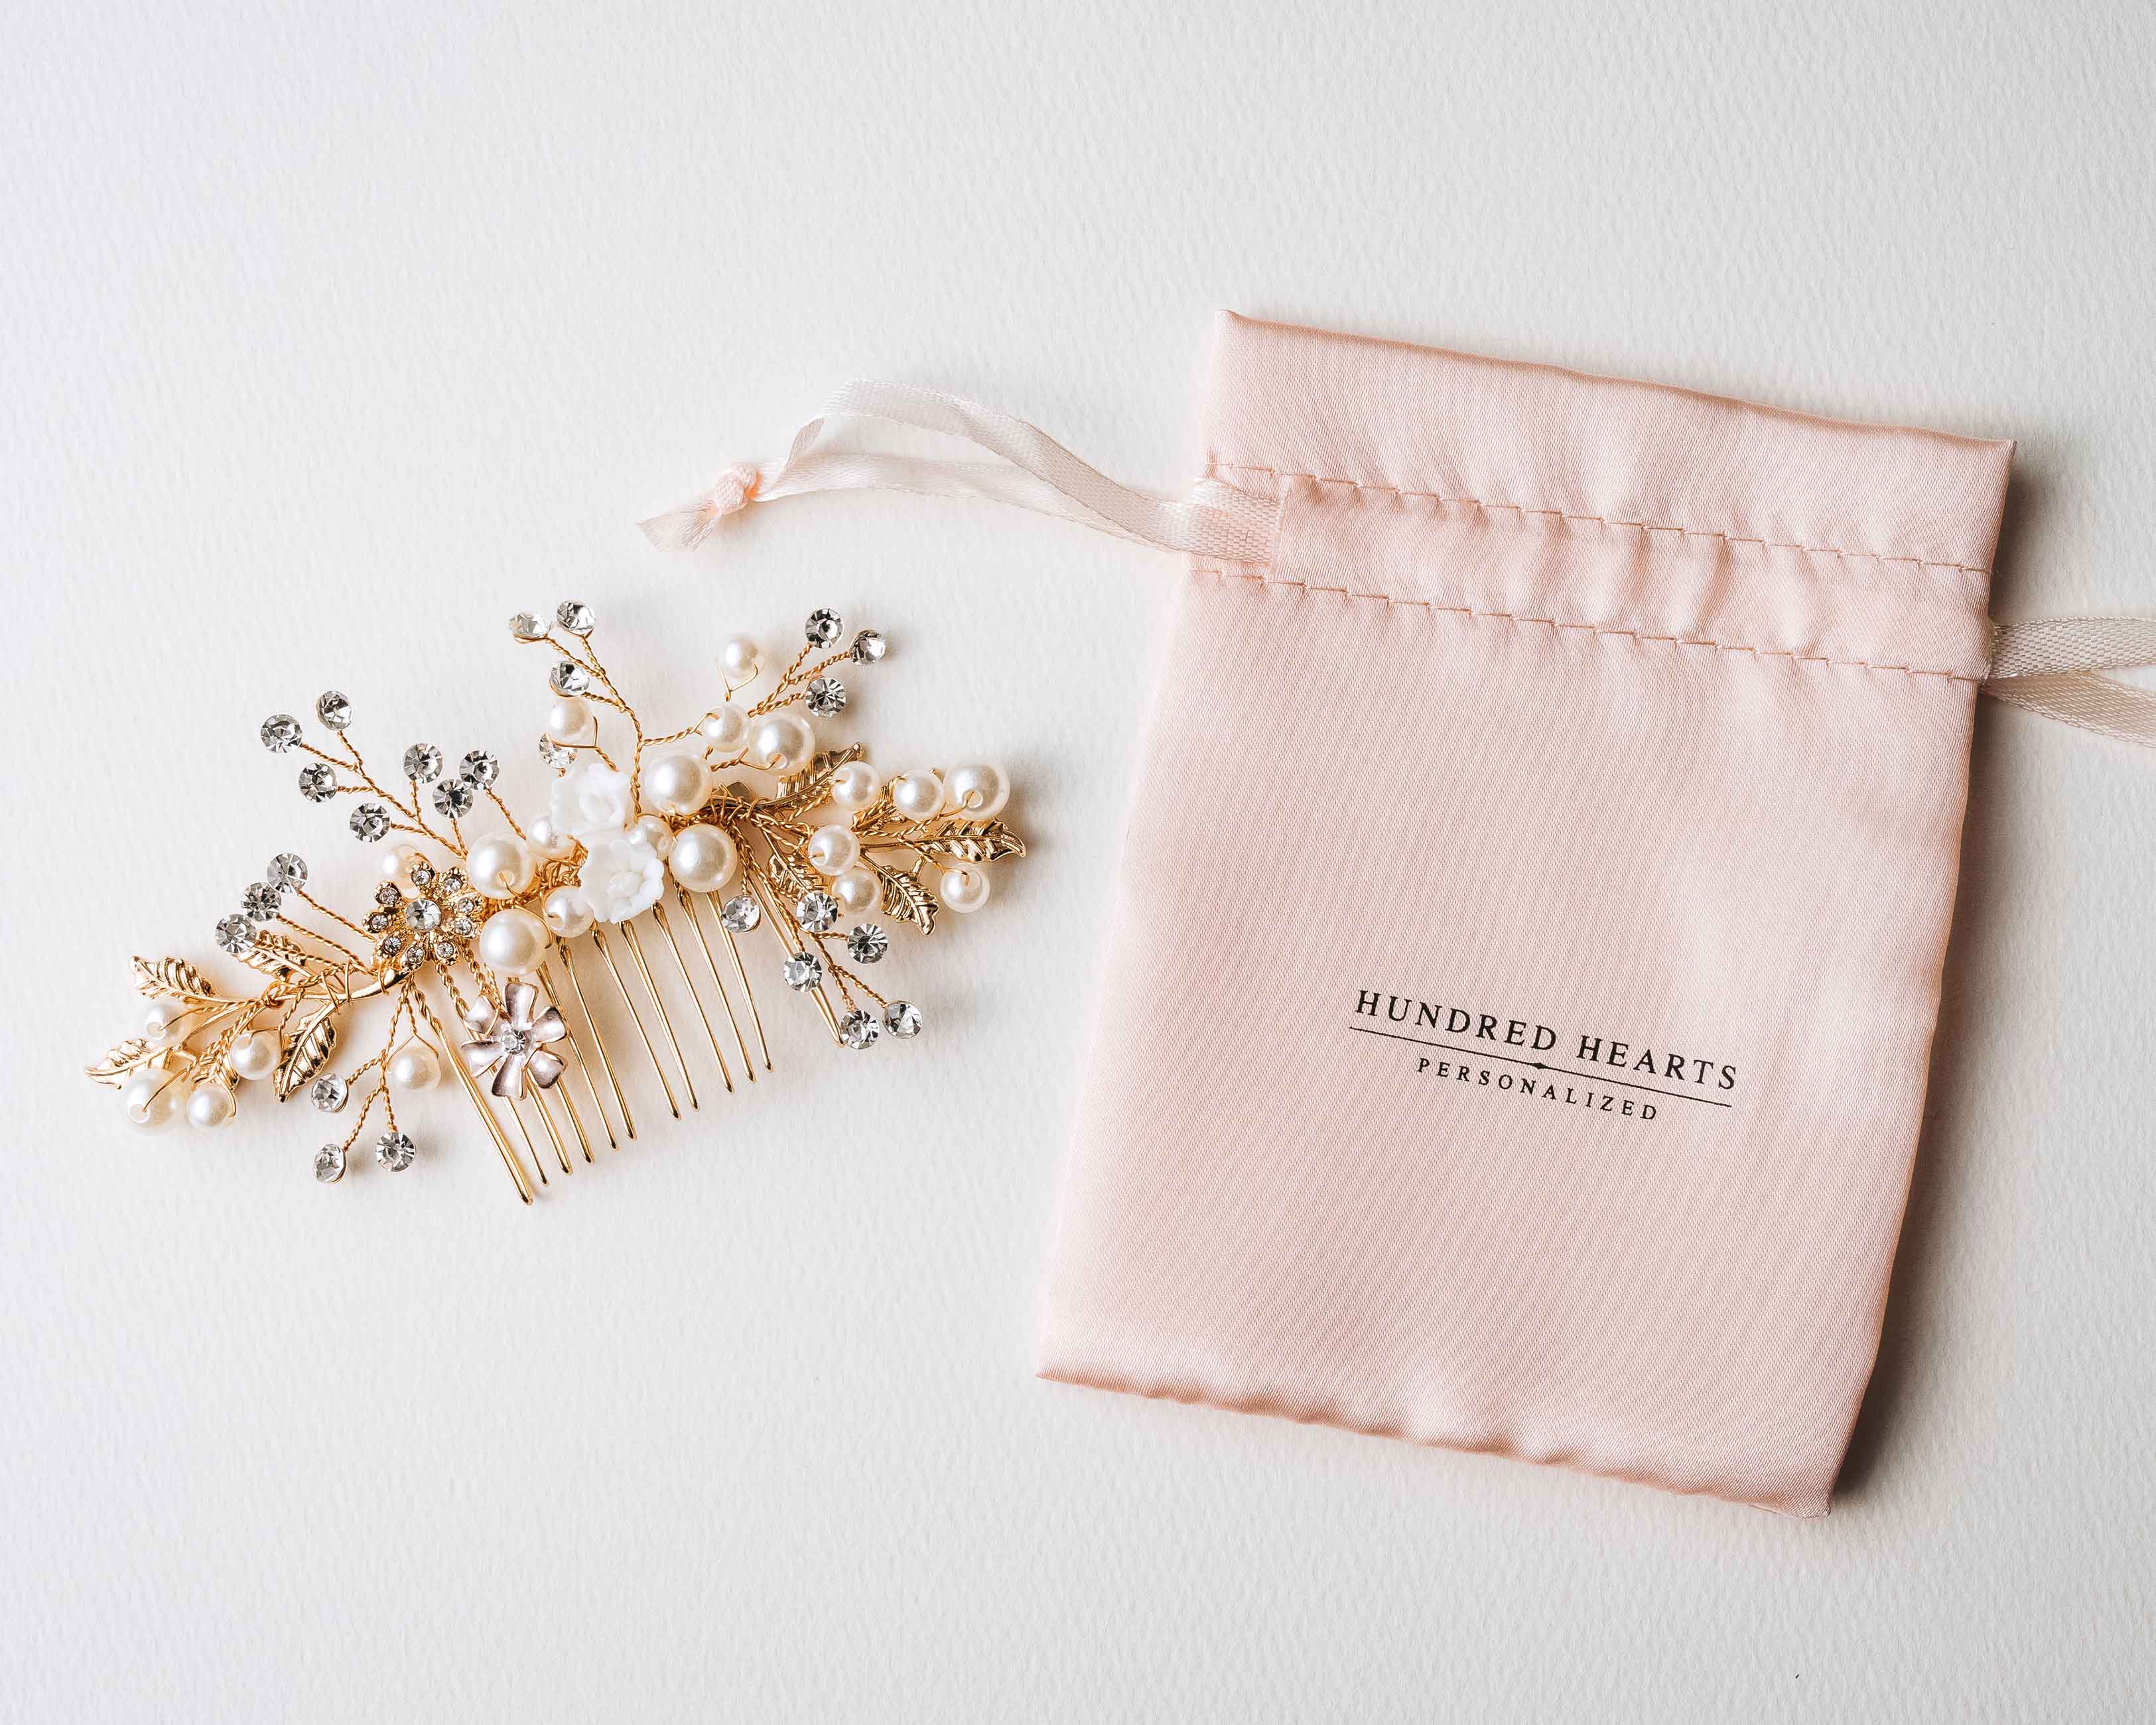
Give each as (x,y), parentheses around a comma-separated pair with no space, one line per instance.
(689,910)
(576,1120)
(606,1059)
(824,1006)
(517,1115)
(455,1060)
(680,963)
(538,1098)
(658,1006)
(621,983)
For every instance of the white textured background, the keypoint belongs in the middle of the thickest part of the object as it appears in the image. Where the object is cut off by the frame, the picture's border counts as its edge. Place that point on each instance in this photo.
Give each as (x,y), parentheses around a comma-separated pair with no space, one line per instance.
(332,335)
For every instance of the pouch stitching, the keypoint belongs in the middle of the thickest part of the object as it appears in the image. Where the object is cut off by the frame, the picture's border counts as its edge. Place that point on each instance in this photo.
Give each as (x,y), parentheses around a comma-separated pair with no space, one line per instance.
(1524,511)
(1638,636)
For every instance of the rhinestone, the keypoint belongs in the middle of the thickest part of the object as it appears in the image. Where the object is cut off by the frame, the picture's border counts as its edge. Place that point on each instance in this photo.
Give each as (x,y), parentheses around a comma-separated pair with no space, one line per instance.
(469,906)
(480,768)
(387,896)
(394,1150)
(288,869)
(261,901)
(453,881)
(512,1041)
(318,783)
(869,646)
(445,949)
(235,934)
(867,943)
(818,912)
(333,709)
(804,970)
(859,1029)
(422,762)
(392,945)
(329,1093)
(826,696)
(370,822)
(422,872)
(423,914)
(411,959)
(280,731)
(379,921)
(569,678)
(822,627)
(526,627)
(554,754)
(575,616)
(739,914)
(329,1163)
(902,1019)
(460,925)
(455,797)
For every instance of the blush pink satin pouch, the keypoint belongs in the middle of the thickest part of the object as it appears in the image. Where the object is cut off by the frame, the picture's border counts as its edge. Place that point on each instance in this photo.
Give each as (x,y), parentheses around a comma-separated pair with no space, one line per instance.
(1516,1024)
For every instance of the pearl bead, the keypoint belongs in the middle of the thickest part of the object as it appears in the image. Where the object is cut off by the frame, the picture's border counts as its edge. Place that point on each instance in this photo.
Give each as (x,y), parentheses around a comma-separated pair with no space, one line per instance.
(512,941)
(855,784)
(654,832)
(782,743)
(500,866)
(567,912)
(740,660)
(397,862)
(964,888)
(917,795)
(833,850)
(210,1106)
(676,780)
(164,1024)
(568,719)
(703,858)
(546,841)
(414,1067)
(255,1056)
(976,791)
(151,1100)
(857,891)
(724,728)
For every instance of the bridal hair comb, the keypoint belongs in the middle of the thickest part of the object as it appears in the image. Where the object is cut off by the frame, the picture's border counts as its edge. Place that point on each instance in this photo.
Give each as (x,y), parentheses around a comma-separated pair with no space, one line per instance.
(538,942)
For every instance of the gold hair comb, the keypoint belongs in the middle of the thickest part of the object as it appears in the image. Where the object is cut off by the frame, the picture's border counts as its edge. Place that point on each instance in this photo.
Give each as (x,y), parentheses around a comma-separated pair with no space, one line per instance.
(538,942)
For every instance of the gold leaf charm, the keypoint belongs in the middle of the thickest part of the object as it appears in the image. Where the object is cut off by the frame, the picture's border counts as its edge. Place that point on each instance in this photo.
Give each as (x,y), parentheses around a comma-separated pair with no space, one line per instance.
(175,977)
(310,1051)
(984,841)
(907,899)
(121,1060)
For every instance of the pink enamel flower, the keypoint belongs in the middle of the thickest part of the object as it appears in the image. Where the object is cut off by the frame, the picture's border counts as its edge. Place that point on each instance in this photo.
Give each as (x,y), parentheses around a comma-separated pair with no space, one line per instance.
(513,1043)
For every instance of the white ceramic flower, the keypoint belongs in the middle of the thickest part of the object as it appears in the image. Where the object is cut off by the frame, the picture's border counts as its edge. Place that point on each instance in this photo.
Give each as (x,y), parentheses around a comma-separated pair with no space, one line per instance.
(590,799)
(621,876)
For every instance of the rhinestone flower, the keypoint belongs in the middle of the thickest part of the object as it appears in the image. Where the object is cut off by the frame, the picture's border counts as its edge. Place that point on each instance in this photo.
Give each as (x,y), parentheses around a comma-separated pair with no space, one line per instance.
(859,1029)
(454,797)
(822,627)
(526,627)
(235,934)
(261,901)
(370,823)
(317,781)
(512,1044)
(827,695)
(328,1092)
(333,709)
(818,912)
(869,646)
(422,762)
(804,970)
(740,913)
(280,731)
(288,868)
(867,943)
(394,1150)
(902,1018)
(329,1163)
(575,616)
(569,678)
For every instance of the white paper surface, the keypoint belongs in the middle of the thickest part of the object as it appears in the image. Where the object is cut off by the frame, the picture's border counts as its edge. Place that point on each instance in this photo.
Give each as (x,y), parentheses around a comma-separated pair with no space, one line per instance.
(332,335)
